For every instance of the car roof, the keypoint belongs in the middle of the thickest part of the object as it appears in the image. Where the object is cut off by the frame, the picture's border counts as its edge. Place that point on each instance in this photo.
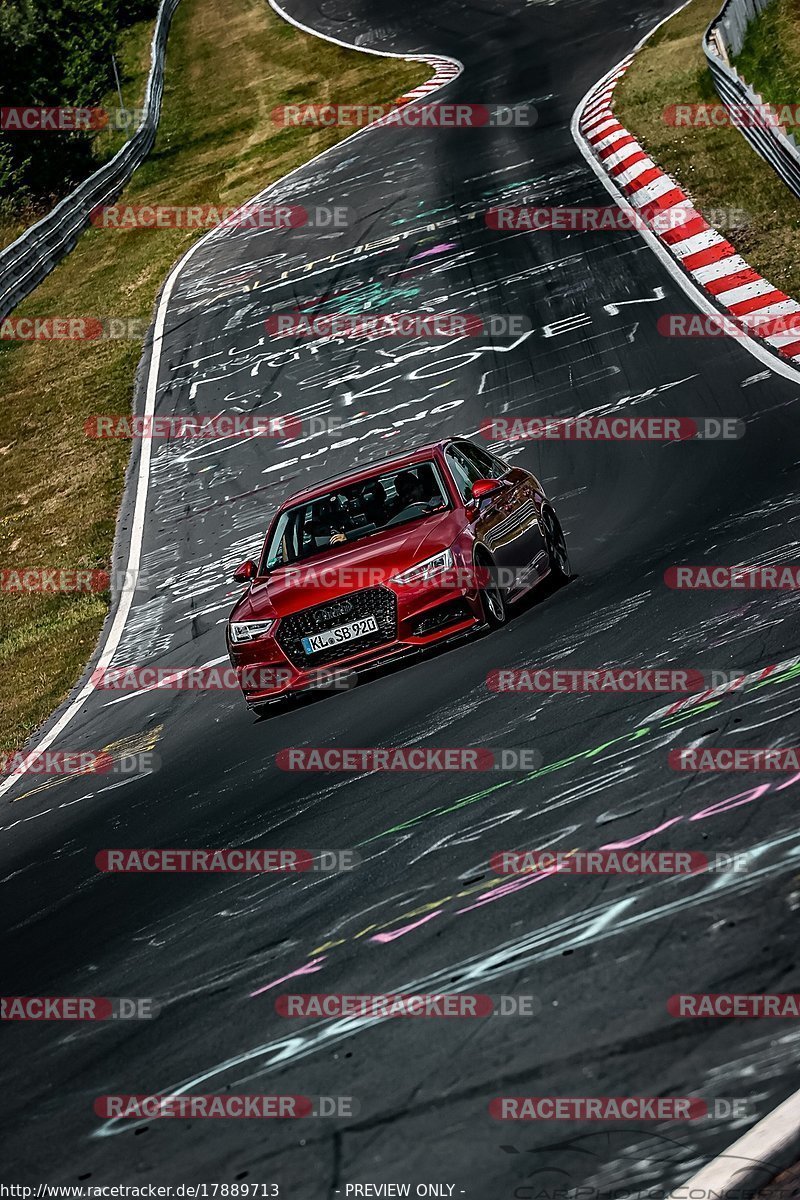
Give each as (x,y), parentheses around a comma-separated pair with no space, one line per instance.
(323,486)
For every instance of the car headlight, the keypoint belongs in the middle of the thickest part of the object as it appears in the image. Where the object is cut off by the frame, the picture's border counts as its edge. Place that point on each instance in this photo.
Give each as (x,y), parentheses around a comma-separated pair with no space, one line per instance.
(245,631)
(427,569)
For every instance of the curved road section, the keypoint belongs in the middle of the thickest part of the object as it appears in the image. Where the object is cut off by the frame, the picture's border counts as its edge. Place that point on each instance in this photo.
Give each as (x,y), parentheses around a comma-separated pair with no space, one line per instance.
(423,910)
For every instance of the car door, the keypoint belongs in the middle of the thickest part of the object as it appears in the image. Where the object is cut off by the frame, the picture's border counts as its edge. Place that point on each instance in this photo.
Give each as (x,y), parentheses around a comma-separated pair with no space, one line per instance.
(493,518)
(517,536)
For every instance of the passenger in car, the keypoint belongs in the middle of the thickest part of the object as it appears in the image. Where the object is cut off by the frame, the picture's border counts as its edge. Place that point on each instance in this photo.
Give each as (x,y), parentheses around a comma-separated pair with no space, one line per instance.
(417,489)
(373,503)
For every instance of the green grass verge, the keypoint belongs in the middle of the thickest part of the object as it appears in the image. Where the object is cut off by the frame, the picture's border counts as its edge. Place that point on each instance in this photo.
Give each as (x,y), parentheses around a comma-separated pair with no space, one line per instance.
(770,57)
(228,66)
(715,166)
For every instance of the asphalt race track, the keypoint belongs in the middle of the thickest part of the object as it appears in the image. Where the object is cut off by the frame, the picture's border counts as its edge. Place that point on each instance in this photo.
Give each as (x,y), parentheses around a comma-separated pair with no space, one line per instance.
(423,910)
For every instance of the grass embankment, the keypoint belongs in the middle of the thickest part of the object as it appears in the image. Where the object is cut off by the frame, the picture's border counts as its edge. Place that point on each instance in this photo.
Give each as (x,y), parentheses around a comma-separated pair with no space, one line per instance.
(770,57)
(716,165)
(229,64)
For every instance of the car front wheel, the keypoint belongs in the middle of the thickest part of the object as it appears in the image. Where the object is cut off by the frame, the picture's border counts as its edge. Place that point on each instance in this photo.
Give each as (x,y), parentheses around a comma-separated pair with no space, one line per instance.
(493,598)
(556,545)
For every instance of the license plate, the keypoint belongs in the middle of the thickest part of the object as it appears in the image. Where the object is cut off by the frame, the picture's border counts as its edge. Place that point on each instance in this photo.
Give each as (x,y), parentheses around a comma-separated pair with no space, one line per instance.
(339,635)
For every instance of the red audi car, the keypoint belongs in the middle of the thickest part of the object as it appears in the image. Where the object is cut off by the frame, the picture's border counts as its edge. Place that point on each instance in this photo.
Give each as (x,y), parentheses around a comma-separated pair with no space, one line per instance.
(362,569)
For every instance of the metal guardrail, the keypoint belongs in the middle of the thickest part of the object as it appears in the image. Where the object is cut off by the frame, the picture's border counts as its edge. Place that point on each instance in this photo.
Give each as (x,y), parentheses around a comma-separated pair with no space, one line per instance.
(35,253)
(733,19)
(722,41)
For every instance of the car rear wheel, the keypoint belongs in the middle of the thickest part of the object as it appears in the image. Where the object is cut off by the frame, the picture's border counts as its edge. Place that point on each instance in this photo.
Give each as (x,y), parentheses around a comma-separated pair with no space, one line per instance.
(493,598)
(556,545)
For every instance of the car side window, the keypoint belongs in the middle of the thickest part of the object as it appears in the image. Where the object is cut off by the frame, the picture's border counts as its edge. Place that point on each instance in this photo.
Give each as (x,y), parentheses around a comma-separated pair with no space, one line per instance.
(462,471)
(488,466)
(501,468)
(285,543)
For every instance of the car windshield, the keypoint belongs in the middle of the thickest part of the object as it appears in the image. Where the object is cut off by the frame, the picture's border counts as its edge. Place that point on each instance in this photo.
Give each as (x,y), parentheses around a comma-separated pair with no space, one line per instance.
(351,513)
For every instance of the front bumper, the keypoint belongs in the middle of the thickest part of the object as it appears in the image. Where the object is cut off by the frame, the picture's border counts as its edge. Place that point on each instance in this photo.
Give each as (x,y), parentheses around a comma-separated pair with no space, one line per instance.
(411,619)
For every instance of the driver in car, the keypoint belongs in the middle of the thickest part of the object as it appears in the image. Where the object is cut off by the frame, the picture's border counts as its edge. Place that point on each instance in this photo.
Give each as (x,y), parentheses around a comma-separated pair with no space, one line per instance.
(327,525)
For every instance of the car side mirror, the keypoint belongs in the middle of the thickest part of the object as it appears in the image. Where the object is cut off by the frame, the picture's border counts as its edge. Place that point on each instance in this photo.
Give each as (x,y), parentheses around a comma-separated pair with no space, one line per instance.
(244,573)
(482,488)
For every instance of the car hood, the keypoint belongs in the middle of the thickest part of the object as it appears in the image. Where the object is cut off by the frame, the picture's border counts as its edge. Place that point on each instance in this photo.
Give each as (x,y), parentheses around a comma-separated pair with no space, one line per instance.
(346,569)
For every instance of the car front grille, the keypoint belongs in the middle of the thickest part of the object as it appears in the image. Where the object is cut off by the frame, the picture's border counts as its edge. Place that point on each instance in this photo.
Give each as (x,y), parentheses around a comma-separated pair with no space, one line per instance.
(378,602)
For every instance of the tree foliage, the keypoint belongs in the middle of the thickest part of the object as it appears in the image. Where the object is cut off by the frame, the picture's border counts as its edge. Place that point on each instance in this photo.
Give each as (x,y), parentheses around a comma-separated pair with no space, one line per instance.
(55,53)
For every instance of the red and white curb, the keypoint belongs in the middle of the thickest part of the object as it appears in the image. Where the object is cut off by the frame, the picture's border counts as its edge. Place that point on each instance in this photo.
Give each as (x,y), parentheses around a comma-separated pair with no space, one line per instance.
(752,1162)
(446,69)
(707,257)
